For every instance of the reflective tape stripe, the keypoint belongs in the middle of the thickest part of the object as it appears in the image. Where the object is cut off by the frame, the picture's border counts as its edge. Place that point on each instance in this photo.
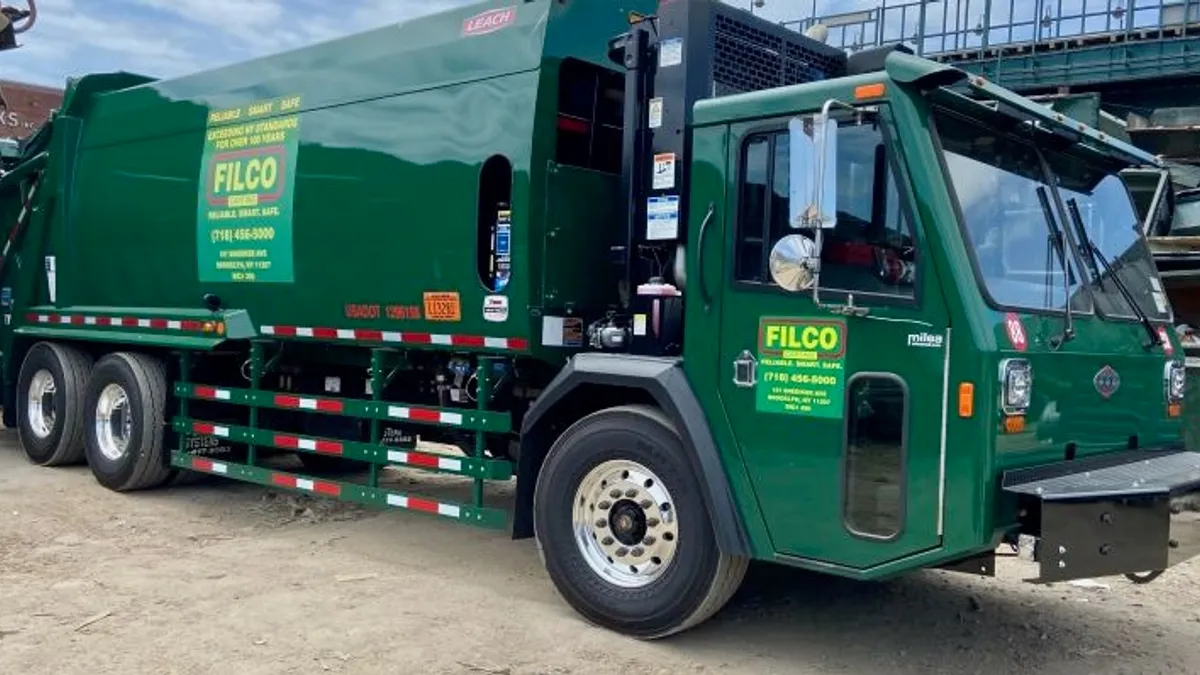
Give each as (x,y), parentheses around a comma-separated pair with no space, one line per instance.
(424,505)
(155,323)
(210,429)
(375,335)
(423,460)
(425,415)
(209,466)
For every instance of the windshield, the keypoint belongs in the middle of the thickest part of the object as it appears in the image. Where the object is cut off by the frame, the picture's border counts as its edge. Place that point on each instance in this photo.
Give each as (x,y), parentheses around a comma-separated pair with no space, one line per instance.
(1012,236)
(995,178)
(1112,225)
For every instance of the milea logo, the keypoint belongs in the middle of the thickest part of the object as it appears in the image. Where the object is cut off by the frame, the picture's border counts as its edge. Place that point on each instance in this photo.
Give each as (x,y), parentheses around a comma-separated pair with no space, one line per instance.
(925,340)
(489,21)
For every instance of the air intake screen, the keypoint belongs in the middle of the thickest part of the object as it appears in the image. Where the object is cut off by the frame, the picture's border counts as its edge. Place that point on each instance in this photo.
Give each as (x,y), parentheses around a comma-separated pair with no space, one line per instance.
(747,58)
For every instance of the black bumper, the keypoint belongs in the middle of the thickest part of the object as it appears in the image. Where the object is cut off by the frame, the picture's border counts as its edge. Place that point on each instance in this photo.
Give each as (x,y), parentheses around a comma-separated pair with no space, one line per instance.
(1129,512)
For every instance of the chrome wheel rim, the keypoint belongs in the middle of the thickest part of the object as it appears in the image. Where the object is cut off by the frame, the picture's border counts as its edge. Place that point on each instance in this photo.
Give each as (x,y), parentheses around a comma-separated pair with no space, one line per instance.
(625,523)
(113,422)
(42,410)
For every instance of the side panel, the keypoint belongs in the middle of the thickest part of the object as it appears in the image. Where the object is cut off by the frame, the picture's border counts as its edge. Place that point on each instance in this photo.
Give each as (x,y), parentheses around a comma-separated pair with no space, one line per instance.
(384,210)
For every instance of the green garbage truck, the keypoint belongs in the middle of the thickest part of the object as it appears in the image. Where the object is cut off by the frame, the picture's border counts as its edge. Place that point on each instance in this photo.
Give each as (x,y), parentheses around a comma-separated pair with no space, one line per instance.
(704,290)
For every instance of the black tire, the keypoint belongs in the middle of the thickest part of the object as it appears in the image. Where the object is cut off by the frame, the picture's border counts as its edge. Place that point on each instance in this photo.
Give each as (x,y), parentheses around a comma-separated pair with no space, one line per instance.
(145,462)
(68,368)
(1144,577)
(694,585)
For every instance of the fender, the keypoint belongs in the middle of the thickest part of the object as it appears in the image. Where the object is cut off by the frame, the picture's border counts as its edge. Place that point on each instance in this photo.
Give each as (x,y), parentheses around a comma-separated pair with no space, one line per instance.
(664,381)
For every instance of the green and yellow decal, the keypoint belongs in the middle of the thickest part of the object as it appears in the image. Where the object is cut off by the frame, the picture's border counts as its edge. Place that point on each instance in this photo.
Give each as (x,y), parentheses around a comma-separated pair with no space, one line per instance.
(801,365)
(248,172)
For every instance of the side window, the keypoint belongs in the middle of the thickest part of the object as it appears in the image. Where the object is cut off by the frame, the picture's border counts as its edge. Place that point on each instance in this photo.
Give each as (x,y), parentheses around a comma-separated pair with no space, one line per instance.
(872,249)
(875,456)
(591,108)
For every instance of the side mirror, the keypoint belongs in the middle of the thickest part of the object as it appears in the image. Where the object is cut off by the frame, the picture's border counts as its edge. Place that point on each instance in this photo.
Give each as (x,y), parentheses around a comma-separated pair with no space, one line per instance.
(827,171)
(812,172)
(802,174)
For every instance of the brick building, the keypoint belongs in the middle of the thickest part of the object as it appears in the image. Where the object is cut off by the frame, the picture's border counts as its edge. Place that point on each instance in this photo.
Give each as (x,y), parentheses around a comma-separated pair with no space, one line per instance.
(25,107)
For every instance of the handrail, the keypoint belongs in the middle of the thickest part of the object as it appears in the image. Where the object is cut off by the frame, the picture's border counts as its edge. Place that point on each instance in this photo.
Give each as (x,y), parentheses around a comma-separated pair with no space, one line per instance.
(940,27)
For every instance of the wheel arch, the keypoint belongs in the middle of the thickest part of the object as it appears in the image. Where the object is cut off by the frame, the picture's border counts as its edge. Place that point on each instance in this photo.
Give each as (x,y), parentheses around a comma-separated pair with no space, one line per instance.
(592,382)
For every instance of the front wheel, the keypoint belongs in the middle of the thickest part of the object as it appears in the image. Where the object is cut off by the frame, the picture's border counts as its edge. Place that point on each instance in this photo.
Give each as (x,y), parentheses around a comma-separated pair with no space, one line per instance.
(623,531)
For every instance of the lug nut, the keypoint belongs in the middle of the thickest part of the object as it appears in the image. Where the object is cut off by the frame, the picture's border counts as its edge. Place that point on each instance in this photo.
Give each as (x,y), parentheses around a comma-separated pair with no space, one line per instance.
(648,541)
(631,493)
(637,552)
(607,541)
(604,506)
(602,523)
(622,552)
(615,494)
(645,504)
(652,522)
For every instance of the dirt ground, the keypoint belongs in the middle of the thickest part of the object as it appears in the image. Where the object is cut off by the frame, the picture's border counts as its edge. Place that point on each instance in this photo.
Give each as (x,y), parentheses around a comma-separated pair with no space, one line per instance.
(219,577)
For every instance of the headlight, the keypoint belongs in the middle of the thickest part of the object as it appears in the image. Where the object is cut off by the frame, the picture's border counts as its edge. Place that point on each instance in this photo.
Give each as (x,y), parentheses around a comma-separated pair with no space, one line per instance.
(1175,381)
(1016,378)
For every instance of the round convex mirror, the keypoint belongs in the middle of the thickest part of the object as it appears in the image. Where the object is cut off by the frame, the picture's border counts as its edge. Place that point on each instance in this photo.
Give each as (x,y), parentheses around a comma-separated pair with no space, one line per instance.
(794,262)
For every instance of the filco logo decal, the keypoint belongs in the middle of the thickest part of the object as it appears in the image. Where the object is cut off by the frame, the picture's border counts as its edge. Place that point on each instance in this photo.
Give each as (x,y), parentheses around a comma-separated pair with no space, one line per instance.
(490,21)
(930,340)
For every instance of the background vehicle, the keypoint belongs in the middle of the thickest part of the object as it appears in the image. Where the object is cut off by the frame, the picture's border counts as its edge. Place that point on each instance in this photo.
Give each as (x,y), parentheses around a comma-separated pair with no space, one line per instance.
(708,290)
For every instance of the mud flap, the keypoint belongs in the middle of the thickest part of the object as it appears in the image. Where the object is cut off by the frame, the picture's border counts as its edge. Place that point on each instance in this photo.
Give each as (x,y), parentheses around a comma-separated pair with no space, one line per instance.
(1130,512)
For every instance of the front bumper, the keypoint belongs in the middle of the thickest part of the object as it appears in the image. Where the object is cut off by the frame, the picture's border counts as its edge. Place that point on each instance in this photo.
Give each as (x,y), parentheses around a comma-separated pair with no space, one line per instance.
(1124,513)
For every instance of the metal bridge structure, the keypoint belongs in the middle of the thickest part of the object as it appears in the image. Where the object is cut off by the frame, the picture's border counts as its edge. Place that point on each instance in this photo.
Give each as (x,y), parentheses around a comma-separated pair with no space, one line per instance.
(1138,59)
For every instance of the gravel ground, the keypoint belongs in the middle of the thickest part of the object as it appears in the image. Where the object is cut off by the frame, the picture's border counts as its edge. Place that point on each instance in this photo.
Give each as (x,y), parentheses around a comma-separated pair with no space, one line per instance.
(219,577)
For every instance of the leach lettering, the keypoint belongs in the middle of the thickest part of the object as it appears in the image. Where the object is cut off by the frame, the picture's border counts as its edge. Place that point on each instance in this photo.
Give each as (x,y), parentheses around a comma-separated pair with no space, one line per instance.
(489,21)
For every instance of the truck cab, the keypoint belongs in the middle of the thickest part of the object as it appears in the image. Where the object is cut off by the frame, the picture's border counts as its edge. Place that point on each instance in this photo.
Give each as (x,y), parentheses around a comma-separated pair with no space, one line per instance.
(911,295)
(919,320)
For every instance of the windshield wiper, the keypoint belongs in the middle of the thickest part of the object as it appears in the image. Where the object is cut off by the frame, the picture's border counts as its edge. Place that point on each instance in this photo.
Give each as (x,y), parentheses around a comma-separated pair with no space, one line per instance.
(1057,234)
(1091,248)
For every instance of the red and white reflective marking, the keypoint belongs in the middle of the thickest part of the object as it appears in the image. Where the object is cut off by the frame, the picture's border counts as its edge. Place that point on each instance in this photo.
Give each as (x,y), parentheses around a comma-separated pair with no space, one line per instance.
(369,335)
(425,415)
(425,461)
(210,429)
(307,403)
(424,505)
(190,326)
(209,466)
(1016,332)
(311,444)
(308,485)
(212,393)
(1168,348)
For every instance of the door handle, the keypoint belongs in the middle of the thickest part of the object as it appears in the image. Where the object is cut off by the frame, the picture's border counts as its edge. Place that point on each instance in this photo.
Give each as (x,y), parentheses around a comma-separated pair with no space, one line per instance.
(745,370)
(705,297)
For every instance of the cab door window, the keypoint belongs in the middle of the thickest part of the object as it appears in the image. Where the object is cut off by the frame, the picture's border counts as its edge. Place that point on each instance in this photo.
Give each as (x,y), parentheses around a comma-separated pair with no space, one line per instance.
(872,250)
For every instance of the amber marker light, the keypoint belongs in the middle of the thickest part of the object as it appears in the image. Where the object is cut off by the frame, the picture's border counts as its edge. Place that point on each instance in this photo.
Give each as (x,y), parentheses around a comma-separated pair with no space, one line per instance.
(1174,410)
(966,399)
(876,90)
(1014,424)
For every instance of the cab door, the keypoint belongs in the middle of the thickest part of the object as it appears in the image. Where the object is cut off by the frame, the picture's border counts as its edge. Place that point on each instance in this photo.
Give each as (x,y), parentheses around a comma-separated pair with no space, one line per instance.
(838,416)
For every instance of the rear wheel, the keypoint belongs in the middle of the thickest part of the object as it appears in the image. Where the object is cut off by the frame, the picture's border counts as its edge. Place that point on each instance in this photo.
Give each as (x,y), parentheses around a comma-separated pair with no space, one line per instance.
(622,529)
(50,407)
(125,404)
